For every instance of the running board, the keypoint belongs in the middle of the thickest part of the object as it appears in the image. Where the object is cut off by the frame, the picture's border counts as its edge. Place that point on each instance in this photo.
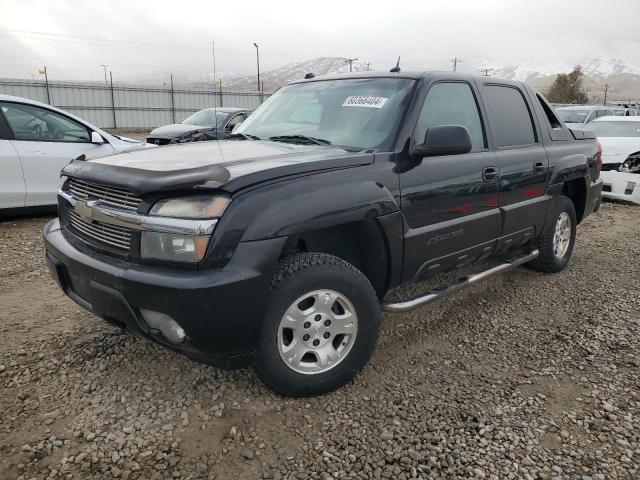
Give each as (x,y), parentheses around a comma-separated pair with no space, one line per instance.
(433,295)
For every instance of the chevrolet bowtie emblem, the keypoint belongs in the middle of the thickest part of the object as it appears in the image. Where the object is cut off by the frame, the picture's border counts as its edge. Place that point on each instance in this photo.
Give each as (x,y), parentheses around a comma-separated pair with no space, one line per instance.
(83,210)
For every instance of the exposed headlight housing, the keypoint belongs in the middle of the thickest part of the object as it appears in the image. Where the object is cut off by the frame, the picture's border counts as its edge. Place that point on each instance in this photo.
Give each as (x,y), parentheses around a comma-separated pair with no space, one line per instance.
(631,164)
(180,247)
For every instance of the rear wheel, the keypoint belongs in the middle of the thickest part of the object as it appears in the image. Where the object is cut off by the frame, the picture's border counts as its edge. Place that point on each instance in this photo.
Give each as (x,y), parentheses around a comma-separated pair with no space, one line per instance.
(320,328)
(557,240)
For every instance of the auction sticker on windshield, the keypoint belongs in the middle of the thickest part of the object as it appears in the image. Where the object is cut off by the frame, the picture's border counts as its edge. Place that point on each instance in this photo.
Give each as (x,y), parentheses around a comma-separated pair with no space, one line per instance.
(368,102)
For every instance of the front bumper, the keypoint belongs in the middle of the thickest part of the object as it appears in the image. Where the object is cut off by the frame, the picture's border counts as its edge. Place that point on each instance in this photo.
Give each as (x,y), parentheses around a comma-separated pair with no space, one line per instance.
(617,186)
(221,310)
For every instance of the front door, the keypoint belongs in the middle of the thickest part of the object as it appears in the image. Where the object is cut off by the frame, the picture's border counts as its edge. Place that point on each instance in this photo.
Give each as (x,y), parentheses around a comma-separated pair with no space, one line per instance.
(450,202)
(46,141)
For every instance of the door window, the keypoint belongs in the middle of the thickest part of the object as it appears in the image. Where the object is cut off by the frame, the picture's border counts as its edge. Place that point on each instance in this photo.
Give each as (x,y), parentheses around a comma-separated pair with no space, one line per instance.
(29,122)
(237,120)
(451,104)
(510,116)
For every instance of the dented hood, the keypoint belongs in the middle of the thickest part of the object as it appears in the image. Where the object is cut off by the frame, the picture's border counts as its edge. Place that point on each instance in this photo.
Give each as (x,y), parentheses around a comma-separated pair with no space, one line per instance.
(228,165)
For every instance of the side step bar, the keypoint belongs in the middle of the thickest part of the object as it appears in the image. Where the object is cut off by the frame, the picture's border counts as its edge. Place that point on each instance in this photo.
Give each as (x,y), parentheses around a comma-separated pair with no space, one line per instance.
(437,294)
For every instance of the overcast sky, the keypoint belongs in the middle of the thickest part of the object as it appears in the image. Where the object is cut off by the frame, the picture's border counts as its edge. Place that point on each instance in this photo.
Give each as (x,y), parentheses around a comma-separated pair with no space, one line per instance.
(138,38)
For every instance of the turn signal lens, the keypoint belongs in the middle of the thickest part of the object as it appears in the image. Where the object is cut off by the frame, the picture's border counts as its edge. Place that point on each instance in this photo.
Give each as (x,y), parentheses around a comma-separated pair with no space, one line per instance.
(201,206)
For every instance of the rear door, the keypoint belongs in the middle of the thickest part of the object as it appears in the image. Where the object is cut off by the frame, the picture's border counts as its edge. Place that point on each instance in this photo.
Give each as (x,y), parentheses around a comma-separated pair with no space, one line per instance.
(46,141)
(12,191)
(450,202)
(522,160)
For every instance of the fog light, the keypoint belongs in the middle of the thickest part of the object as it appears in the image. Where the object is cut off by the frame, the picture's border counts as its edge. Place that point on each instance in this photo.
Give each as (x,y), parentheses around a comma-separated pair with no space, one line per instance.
(167,325)
(630,188)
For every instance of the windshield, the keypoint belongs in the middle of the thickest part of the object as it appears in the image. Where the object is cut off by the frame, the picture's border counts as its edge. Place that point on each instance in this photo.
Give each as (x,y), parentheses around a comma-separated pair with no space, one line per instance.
(352,113)
(205,118)
(615,129)
(572,116)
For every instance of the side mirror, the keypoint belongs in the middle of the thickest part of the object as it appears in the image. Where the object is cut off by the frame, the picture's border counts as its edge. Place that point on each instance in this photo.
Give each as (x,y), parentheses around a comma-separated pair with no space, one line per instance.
(96,138)
(444,140)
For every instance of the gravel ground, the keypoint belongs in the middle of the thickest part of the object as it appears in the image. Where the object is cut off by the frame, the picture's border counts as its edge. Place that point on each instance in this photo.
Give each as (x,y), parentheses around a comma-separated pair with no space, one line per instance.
(525,376)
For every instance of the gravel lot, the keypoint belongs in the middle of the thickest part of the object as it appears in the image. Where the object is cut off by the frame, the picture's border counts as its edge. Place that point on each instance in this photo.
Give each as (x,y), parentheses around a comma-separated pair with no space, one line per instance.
(525,376)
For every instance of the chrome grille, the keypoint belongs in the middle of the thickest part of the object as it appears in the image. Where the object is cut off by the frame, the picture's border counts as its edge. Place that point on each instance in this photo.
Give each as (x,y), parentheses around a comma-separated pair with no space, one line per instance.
(118,237)
(106,195)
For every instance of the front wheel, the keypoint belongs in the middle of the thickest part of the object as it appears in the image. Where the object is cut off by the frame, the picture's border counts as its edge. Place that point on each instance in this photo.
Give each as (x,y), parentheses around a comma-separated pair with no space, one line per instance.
(320,328)
(557,240)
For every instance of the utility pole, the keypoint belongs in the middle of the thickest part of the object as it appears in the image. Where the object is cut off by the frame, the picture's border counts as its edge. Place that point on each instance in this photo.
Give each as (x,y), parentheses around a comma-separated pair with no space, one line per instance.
(455,62)
(486,71)
(606,89)
(105,73)
(46,82)
(350,62)
(368,64)
(258,62)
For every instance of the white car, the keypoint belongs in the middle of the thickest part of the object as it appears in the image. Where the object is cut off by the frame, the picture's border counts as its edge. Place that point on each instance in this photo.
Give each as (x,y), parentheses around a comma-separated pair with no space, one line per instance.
(577,116)
(36,142)
(620,140)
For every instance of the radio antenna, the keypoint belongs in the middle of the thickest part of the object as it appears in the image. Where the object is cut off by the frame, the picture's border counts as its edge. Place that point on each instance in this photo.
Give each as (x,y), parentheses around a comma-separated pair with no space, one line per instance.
(215,103)
(396,69)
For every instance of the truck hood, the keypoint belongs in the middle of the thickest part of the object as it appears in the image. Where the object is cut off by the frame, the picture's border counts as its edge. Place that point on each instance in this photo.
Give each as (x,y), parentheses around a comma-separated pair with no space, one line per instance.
(226,164)
(617,149)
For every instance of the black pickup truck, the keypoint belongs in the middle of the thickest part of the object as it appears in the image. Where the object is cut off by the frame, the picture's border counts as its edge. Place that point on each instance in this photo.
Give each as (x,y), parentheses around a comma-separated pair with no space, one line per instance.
(278,246)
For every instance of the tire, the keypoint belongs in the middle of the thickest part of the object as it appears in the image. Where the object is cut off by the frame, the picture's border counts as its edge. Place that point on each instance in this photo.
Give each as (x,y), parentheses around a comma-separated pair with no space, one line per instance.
(308,290)
(552,259)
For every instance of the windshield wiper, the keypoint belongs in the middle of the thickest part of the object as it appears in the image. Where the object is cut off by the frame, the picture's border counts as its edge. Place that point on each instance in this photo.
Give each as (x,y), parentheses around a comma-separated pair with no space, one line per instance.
(300,139)
(243,136)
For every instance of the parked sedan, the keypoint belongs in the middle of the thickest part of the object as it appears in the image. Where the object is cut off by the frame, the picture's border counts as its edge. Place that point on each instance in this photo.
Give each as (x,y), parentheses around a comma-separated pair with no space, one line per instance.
(620,140)
(577,116)
(36,142)
(207,124)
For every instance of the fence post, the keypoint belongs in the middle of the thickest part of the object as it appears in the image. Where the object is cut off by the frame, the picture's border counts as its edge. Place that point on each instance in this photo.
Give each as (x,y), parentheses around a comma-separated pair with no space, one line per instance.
(173,102)
(113,101)
(46,82)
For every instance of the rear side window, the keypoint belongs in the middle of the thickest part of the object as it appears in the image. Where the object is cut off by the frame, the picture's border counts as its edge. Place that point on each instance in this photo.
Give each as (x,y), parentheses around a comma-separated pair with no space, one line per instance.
(553,120)
(510,116)
(451,104)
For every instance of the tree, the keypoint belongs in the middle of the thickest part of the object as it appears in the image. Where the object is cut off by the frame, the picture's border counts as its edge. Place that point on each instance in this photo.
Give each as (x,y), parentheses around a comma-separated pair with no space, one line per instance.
(568,88)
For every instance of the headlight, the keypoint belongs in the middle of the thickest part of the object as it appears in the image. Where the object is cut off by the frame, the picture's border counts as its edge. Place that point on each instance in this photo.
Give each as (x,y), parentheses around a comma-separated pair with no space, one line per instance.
(180,247)
(177,248)
(203,206)
(631,164)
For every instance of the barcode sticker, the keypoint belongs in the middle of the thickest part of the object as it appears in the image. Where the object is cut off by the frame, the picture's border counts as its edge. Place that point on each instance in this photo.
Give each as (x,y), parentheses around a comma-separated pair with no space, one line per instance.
(367,102)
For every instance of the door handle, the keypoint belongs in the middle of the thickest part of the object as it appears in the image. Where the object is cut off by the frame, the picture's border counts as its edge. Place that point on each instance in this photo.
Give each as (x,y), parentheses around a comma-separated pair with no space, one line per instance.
(489,174)
(539,167)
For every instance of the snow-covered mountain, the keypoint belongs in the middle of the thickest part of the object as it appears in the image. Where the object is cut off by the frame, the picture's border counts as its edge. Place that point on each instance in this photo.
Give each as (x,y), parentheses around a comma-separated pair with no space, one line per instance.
(274,79)
(622,76)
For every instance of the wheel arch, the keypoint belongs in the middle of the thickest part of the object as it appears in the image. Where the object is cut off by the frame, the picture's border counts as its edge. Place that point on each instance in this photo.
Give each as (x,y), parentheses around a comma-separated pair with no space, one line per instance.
(365,244)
